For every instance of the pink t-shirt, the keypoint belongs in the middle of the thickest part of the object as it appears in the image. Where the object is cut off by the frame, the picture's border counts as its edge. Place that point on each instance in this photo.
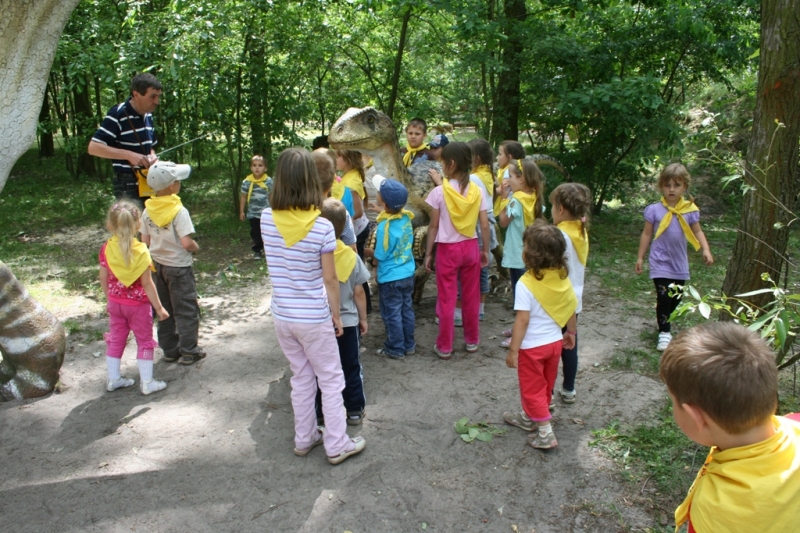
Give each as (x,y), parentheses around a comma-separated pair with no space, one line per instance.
(117,291)
(447,232)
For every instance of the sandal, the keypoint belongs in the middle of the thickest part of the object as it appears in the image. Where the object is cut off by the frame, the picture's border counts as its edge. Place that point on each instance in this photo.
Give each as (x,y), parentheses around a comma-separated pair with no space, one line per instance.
(506,343)
(507,332)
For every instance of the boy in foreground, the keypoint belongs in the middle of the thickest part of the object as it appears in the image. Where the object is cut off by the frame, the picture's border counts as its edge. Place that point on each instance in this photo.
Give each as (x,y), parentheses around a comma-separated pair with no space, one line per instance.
(723,383)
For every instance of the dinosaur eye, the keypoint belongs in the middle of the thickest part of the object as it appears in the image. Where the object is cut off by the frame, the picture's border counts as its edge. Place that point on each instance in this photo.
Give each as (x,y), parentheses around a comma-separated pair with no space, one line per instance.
(370,119)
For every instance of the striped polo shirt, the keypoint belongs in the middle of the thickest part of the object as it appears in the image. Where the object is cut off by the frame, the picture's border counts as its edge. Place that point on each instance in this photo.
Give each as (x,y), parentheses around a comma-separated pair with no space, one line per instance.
(118,132)
(298,292)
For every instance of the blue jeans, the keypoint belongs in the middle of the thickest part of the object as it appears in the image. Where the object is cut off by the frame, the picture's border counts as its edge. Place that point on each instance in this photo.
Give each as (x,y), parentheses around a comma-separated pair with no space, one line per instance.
(397,315)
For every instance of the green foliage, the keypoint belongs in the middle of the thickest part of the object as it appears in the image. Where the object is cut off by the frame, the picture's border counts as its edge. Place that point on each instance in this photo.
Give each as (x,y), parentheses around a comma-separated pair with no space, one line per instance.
(482,431)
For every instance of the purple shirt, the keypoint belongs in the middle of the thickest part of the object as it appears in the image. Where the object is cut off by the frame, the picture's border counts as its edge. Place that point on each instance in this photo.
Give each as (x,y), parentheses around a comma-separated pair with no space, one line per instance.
(668,257)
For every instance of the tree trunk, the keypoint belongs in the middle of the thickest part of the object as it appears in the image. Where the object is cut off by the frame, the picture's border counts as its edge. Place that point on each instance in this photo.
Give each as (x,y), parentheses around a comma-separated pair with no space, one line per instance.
(85,125)
(46,145)
(29,33)
(506,112)
(398,63)
(772,154)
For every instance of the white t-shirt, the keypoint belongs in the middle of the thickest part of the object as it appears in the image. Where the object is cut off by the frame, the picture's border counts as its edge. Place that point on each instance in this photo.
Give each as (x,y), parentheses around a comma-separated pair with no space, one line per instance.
(576,271)
(542,329)
(165,243)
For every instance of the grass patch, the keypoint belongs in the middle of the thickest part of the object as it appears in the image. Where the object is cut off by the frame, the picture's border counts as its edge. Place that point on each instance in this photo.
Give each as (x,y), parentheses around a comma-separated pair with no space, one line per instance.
(636,360)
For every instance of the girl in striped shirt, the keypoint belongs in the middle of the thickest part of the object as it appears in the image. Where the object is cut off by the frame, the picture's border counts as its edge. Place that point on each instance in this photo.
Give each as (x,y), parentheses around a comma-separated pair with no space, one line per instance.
(299,247)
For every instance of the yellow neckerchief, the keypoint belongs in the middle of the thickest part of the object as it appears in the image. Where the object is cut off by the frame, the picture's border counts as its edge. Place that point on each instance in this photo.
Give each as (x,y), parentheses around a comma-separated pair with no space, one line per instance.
(337,190)
(370,163)
(579,238)
(294,224)
(499,202)
(345,259)
(484,172)
(554,294)
(730,481)
(352,180)
(127,273)
(680,209)
(163,209)
(253,182)
(464,211)
(386,216)
(411,153)
(528,203)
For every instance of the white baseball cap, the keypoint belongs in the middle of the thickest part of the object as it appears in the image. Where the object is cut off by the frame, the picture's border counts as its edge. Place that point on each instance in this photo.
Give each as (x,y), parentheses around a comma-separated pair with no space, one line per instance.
(163,173)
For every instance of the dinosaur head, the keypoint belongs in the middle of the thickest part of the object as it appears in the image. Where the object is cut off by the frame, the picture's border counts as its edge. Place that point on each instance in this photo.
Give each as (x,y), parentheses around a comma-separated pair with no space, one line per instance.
(365,130)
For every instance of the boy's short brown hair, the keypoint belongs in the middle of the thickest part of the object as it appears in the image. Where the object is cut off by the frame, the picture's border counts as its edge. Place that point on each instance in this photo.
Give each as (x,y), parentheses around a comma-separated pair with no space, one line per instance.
(336,213)
(325,170)
(727,371)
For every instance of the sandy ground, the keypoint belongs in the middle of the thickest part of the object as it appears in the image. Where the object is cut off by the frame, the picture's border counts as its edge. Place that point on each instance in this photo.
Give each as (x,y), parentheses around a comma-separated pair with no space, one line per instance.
(214,451)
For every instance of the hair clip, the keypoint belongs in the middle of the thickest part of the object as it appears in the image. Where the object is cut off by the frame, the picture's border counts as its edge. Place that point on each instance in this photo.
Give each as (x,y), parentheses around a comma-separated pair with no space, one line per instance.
(519,164)
(115,207)
(583,219)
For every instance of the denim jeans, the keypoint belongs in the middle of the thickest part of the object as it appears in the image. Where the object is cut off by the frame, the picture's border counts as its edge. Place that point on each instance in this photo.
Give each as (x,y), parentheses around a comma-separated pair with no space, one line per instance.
(397,315)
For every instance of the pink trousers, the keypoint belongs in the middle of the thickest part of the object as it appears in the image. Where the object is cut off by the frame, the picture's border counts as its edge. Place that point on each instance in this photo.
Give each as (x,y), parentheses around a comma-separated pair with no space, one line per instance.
(313,355)
(453,261)
(537,369)
(124,318)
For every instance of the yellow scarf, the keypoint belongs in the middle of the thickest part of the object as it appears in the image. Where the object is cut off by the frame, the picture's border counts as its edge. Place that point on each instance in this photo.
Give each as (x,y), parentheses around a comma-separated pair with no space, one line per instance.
(338,190)
(680,209)
(580,240)
(345,259)
(499,202)
(163,209)
(127,273)
(352,180)
(464,211)
(386,216)
(412,153)
(294,224)
(724,491)
(253,182)
(485,174)
(528,203)
(553,293)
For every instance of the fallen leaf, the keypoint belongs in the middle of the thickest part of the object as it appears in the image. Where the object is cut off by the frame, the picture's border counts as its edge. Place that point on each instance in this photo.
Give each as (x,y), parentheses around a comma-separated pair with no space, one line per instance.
(102,465)
(96,354)
(576,420)
(231,430)
(136,451)
(514,528)
(424,526)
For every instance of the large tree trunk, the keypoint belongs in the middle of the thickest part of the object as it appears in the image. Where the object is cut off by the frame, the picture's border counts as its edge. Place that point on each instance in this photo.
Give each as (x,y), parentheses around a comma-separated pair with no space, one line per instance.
(398,63)
(506,113)
(85,125)
(29,33)
(772,154)
(46,145)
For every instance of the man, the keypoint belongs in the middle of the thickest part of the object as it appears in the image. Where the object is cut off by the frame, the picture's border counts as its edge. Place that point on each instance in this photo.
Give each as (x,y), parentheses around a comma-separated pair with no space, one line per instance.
(127,136)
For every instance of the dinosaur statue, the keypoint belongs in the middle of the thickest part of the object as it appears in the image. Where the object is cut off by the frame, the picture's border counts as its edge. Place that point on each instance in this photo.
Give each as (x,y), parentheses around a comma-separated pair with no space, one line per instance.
(369,131)
(32,341)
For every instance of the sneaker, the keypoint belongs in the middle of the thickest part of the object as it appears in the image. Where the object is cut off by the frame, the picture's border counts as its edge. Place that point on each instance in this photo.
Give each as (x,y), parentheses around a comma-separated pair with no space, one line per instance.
(171,358)
(543,442)
(458,322)
(354,418)
(664,339)
(149,387)
(412,351)
(520,420)
(472,348)
(359,443)
(120,383)
(442,355)
(481,316)
(567,396)
(436,320)
(506,343)
(191,359)
(302,452)
(257,255)
(382,351)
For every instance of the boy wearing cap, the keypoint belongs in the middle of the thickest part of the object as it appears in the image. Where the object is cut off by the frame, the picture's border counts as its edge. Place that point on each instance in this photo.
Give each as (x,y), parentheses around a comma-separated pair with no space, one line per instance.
(394,238)
(166,230)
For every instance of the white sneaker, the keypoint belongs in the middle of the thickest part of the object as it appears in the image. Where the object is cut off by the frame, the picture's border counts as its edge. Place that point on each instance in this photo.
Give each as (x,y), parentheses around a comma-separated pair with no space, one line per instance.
(149,387)
(663,341)
(121,383)
(567,396)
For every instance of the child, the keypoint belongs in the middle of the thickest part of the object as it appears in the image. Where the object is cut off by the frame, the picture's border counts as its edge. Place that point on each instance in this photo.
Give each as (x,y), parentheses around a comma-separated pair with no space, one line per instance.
(352,164)
(166,229)
(723,384)
(255,196)
(525,205)
(299,247)
(353,311)
(571,205)
(456,207)
(676,220)
(125,278)
(416,151)
(394,239)
(327,177)
(545,303)
(507,151)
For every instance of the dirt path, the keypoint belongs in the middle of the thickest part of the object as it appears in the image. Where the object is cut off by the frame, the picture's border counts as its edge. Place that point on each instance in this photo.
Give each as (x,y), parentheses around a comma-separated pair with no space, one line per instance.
(214,451)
